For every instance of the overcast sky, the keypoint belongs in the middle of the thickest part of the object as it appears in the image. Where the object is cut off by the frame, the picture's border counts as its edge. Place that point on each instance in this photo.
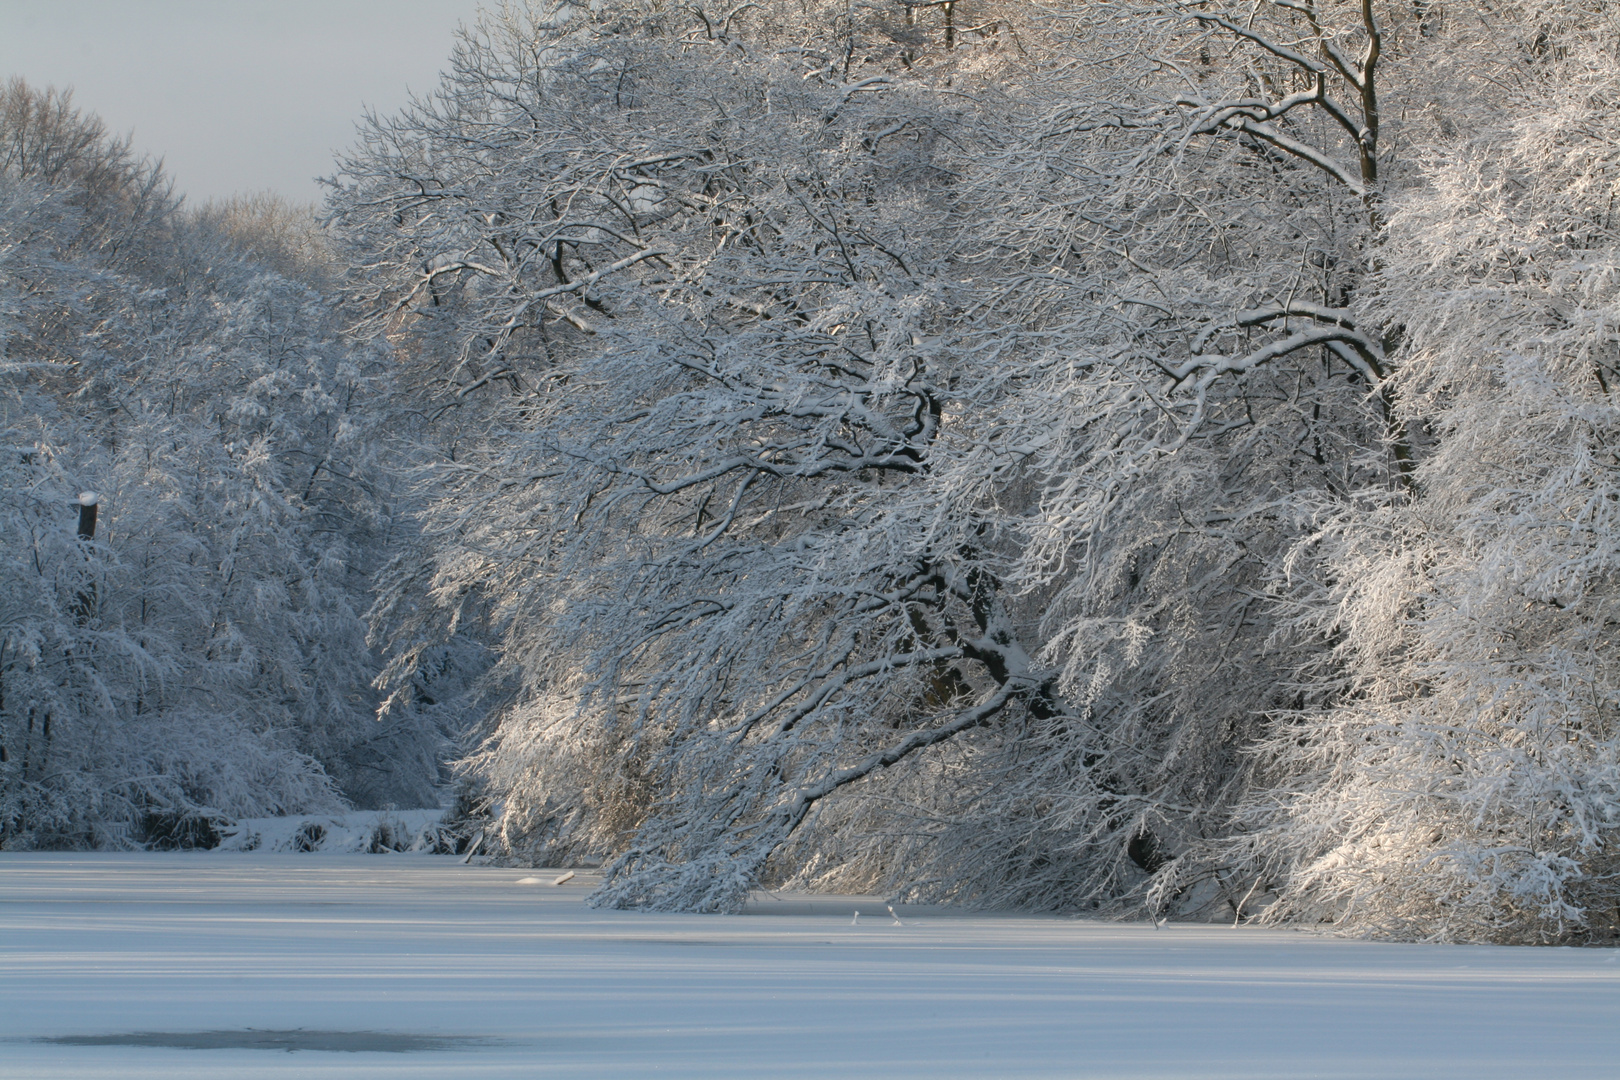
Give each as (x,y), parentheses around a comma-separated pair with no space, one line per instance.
(234,95)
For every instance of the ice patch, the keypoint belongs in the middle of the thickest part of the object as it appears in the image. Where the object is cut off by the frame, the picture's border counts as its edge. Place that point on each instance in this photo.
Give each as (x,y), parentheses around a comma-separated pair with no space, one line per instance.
(341,1042)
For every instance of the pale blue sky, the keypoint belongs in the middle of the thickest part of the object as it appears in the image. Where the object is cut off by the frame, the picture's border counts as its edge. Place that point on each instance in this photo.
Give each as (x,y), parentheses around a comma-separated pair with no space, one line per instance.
(234,95)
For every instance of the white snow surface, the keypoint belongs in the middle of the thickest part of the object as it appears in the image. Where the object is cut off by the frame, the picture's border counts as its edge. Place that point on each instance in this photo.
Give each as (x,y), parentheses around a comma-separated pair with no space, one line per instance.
(107,944)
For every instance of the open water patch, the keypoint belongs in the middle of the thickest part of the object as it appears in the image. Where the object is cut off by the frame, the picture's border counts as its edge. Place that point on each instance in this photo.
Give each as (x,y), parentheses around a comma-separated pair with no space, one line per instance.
(332,1042)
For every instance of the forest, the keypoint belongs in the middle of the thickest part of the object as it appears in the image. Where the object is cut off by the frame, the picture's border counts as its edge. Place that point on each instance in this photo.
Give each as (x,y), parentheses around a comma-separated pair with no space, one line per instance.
(1158,460)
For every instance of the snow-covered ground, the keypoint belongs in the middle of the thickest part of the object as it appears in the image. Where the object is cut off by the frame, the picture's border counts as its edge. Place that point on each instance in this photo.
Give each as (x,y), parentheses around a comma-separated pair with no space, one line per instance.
(513,976)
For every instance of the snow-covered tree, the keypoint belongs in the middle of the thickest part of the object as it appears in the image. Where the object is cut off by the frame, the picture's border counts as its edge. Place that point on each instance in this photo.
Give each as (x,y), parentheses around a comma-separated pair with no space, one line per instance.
(725,333)
(106,729)
(204,653)
(1463,780)
(1043,457)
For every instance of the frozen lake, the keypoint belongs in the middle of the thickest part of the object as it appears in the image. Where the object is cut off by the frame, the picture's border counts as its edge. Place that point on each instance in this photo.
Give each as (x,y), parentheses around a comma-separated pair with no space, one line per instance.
(402,966)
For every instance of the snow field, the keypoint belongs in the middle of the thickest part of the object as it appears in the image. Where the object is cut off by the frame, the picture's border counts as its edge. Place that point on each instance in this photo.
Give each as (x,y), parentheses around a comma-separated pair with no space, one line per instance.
(543,986)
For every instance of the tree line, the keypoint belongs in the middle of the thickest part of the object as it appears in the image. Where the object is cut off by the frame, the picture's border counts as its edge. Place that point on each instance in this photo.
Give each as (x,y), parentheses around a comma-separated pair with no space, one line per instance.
(1125,457)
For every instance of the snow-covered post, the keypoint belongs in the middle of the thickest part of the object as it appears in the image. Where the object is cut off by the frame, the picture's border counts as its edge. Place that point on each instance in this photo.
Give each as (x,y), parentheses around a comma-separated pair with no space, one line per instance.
(84,604)
(89,502)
